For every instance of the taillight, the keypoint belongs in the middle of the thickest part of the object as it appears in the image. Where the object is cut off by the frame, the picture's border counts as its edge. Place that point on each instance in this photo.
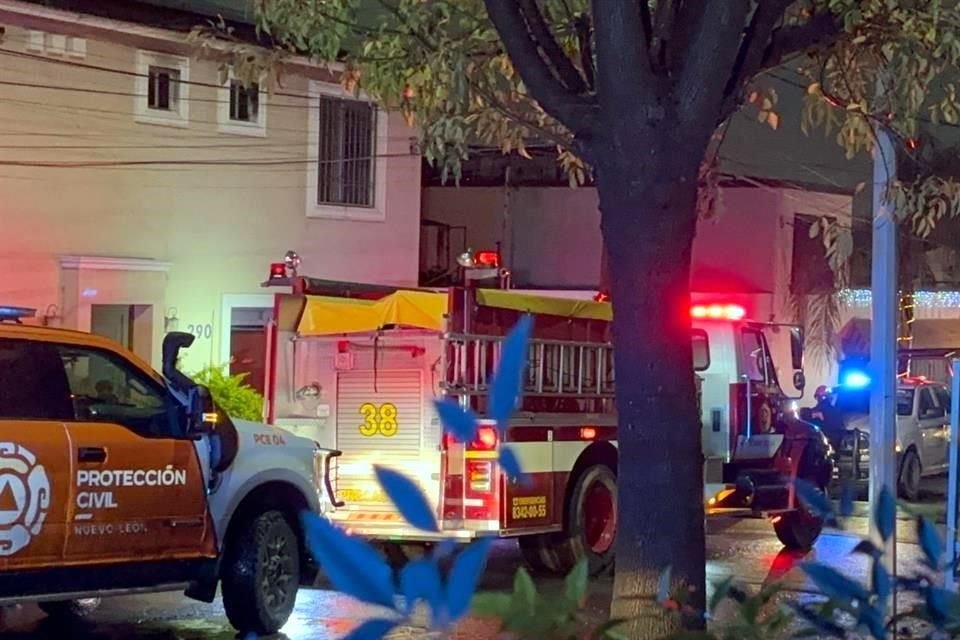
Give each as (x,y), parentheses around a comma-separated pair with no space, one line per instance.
(480,476)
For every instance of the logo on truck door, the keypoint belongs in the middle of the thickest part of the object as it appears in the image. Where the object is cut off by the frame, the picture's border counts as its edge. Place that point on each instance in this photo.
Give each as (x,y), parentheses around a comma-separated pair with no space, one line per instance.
(24,497)
(379,420)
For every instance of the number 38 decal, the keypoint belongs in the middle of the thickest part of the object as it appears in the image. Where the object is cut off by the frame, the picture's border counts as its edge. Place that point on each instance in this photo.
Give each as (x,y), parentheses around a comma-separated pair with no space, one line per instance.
(379,420)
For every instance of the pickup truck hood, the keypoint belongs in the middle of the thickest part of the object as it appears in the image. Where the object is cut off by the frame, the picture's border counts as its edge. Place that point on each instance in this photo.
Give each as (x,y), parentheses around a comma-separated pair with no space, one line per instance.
(862,423)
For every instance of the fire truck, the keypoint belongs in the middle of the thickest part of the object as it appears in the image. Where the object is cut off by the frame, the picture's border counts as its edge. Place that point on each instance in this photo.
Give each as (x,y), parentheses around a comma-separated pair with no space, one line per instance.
(356,367)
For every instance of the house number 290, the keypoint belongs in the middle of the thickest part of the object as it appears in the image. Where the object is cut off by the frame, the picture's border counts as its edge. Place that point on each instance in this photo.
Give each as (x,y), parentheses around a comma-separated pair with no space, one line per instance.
(201,330)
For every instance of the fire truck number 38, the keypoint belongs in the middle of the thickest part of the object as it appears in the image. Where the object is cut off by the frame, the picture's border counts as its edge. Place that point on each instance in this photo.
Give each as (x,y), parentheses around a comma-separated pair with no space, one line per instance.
(378,420)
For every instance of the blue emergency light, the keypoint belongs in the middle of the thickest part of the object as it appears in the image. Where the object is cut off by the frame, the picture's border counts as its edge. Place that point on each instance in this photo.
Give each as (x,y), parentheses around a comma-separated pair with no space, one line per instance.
(856,380)
(16,314)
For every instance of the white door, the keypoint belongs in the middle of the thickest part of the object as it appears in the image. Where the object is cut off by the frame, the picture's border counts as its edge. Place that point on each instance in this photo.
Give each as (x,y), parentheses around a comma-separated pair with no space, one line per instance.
(932,418)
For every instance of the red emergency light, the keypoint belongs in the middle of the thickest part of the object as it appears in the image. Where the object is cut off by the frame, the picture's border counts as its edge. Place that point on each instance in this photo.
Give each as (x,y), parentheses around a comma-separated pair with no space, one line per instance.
(718,312)
(278,270)
(490,259)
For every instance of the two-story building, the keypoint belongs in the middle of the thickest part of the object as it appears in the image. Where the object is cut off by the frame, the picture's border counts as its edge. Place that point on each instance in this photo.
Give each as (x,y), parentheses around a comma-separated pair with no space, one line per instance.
(145,191)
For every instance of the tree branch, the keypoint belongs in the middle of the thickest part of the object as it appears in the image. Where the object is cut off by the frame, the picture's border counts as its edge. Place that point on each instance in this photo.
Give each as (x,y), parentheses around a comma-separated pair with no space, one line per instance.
(575,112)
(624,73)
(755,41)
(585,38)
(820,31)
(568,74)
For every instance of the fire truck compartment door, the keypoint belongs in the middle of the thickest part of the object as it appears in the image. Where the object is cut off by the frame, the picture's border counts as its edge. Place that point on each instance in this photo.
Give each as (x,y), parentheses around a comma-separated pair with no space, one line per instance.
(380,418)
(325,316)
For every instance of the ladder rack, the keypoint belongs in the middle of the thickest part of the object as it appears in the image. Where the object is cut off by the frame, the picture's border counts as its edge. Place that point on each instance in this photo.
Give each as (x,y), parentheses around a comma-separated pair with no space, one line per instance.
(555,368)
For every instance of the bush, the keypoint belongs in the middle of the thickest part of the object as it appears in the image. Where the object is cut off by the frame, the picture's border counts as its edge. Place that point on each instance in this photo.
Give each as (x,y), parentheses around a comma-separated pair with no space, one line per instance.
(231,393)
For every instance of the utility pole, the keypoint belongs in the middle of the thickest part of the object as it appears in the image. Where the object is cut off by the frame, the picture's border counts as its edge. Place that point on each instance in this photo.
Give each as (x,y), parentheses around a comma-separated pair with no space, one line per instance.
(883,335)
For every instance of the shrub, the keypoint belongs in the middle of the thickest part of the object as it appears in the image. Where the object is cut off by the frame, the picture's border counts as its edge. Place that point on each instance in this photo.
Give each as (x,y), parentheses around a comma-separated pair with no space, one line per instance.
(231,393)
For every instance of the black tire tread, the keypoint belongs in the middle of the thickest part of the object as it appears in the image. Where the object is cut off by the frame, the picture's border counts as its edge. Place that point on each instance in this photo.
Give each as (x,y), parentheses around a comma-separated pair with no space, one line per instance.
(241,600)
(569,548)
(911,494)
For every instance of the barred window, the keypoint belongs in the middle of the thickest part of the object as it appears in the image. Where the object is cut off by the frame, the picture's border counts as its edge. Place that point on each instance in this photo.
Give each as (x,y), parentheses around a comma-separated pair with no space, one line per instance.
(346,152)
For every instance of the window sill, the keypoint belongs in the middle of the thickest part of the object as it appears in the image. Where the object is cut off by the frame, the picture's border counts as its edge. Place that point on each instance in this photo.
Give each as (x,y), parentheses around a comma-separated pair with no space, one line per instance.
(162,120)
(240,128)
(359,214)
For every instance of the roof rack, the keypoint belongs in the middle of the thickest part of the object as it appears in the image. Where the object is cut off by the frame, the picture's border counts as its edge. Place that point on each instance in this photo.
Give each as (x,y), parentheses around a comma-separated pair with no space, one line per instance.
(16,314)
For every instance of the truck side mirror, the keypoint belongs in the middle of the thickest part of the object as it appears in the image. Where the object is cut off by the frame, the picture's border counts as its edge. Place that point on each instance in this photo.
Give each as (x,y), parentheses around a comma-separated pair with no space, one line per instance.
(172,344)
(799,380)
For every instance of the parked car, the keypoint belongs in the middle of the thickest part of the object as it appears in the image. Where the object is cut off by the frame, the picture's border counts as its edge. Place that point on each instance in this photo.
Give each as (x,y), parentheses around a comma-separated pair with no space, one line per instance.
(923,430)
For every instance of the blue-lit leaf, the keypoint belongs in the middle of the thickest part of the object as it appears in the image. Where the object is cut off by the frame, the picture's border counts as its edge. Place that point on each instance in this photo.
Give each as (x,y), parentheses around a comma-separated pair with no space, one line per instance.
(882,583)
(420,580)
(510,463)
(663,586)
(821,623)
(462,423)
(867,548)
(846,500)
(885,514)
(353,566)
(873,619)
(371,630)
(815,500)
(833,584)
(408,498)
(464,577)
(939,602)
(443,549)
(508,381)
(575,584)
(930,542)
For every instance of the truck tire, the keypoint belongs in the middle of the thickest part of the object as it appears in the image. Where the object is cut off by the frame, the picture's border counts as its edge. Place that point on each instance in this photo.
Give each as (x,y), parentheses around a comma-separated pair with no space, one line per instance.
(70,609)
(908,479)
(538,554)
(797,530)
(261,573)
(590,522)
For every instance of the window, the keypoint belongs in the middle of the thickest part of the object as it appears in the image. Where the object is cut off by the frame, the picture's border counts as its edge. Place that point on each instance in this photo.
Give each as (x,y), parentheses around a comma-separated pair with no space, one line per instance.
(904,401)
(701,350)
(241,108)
(929,408)
(346,163)
(244,101)
(32,385)
(163,89)
(105,388)
(943,397)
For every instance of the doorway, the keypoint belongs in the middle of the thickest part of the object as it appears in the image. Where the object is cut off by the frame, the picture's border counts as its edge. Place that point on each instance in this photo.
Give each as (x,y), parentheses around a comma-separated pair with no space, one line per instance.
(130,325)
(248,345)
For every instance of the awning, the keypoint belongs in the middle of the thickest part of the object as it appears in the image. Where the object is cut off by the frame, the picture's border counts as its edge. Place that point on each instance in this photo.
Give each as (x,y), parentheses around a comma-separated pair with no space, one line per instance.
(325,316)
(548,305)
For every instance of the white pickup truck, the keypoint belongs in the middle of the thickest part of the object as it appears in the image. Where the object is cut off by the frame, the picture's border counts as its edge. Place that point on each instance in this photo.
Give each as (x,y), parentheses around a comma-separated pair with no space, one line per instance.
(115,479)
(923,429)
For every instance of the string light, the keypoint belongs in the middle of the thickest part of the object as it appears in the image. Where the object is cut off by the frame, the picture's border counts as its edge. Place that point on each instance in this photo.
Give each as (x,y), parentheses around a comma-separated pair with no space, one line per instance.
(934,299)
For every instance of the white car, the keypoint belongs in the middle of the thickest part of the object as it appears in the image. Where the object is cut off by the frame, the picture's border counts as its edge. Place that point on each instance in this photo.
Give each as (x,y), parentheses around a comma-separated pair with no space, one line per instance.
(923,431)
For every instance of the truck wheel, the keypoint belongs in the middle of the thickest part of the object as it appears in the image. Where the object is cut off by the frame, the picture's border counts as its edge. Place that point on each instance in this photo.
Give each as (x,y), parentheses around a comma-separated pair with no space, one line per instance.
(70,609)
(797,530)
(261,573)
(590,528)
(538,553)
(908,482)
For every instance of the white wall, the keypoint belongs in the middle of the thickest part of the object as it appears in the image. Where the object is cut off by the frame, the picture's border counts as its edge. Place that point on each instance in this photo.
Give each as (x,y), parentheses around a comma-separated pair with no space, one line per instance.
(217,226)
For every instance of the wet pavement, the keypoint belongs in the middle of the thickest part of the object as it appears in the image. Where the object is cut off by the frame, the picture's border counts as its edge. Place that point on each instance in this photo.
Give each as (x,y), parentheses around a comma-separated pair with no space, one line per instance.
(746,549)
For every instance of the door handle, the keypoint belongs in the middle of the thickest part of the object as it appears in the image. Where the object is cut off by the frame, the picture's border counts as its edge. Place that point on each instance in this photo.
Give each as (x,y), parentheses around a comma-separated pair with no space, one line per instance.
(92,454)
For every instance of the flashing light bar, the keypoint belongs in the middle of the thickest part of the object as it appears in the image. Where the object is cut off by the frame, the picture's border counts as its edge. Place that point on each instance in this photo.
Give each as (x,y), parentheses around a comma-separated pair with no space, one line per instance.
(489,259)
(16,313)
(718,312)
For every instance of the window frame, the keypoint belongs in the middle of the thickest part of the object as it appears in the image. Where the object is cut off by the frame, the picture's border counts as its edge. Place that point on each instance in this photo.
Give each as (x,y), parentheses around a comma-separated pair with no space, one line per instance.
(131,371)
(375,213)
(928,392)
(64,382)
(144,114)
(226,124)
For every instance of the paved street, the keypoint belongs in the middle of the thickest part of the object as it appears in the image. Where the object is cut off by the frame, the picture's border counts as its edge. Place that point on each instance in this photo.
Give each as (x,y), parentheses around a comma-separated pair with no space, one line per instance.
(745,548)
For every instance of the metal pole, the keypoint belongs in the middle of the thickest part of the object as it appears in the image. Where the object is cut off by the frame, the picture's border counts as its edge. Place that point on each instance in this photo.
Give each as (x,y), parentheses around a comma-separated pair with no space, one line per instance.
(950,575)
(883,336)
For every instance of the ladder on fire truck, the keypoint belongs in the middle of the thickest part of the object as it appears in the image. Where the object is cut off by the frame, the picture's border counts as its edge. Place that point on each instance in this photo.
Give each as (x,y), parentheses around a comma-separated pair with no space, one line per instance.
(557,369)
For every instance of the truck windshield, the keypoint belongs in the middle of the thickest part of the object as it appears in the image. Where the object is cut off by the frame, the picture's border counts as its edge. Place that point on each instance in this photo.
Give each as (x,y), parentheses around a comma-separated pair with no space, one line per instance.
(858,401)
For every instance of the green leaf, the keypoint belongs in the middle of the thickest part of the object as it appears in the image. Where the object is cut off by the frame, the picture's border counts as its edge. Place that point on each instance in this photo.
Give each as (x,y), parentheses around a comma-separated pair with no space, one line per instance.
(525,591)
(491,605)
(575,584)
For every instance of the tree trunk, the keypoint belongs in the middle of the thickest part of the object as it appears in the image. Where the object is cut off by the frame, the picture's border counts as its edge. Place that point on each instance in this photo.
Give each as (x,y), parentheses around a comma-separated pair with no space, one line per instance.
(648,213)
